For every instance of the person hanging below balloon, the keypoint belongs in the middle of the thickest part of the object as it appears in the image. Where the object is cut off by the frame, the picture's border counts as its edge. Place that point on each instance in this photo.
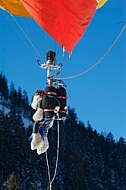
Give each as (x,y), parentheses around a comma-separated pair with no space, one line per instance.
(39,139)
(48,104)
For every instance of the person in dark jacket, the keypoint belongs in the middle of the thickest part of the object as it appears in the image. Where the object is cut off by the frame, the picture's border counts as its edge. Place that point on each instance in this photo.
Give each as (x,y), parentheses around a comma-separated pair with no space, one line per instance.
(39,139)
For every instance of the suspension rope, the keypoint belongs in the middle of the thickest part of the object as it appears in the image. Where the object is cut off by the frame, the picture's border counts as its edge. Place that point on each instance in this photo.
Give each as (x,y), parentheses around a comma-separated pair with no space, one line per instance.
(57,157)
(26,36)
(16,31)
(99,61)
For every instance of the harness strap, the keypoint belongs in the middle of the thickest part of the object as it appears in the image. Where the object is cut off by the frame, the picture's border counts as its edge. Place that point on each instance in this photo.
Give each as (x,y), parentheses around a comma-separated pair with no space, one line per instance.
(52,110)
(62,97)
(52,93)
(62,111)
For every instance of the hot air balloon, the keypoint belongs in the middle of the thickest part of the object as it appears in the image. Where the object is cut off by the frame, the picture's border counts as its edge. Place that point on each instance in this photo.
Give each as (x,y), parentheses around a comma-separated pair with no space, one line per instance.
(64,20)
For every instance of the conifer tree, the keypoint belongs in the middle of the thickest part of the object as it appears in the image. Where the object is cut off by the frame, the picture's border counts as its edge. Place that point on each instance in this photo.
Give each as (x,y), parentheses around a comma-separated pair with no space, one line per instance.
(4,91)
(11,183)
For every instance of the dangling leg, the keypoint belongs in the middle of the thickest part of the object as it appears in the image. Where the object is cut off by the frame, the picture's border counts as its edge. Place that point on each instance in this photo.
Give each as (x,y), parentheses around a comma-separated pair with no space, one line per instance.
(45,145)
(39,135)
(36,137)
(46,124)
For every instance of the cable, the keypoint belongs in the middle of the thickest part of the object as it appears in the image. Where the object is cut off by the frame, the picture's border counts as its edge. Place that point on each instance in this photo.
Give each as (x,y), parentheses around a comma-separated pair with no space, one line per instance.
(99,61)
(57,158)
(26,36)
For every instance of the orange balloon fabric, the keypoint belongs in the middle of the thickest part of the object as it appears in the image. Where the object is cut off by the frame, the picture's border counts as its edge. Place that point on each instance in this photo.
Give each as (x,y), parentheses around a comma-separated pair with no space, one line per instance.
(64,20)
(14,7)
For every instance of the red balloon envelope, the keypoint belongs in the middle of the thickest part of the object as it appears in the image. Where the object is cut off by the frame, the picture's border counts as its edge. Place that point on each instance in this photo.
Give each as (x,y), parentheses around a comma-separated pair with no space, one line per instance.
(64,20)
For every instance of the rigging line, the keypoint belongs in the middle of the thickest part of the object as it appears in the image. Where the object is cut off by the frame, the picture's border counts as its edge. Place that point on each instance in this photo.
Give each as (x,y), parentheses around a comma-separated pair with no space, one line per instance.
(57,157)
(26,36)
(98,62)
(47,162)
(19,34)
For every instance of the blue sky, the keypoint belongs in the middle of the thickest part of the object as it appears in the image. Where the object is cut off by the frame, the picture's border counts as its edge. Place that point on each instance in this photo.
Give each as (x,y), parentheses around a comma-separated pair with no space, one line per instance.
(99,96)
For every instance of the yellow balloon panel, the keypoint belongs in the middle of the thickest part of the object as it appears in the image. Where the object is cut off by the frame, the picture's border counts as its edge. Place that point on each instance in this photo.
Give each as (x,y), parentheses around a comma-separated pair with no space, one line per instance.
(101,3)
(14,7)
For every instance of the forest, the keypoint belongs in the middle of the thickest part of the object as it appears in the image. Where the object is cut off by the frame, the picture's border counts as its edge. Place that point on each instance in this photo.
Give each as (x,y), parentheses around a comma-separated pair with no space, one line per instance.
(87,160)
